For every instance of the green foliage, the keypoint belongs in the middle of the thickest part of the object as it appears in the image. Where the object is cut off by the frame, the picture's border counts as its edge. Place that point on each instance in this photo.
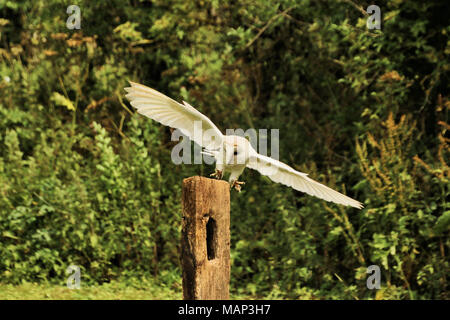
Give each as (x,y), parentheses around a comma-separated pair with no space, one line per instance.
(85,181)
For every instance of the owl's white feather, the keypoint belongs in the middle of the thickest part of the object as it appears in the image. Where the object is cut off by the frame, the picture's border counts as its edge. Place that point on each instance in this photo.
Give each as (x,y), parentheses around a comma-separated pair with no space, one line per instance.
(280,172)
(167,111)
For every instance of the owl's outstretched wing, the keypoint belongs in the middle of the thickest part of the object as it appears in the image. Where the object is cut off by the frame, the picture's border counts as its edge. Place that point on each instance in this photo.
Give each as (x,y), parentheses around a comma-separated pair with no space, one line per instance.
(187,119)
(280,172)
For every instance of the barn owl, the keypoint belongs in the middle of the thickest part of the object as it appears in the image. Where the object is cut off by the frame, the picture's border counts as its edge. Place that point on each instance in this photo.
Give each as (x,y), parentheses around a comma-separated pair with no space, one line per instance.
(232,153)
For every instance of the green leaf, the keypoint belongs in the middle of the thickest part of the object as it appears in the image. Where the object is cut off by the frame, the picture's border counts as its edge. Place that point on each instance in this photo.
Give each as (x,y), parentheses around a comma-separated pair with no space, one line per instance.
(8,234)
(443,223)
(61,100)
(94,239)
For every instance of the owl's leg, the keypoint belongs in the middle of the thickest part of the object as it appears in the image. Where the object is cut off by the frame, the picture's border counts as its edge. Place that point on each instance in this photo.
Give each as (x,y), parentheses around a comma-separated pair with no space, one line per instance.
(234,179)
(218,172)
(237,185)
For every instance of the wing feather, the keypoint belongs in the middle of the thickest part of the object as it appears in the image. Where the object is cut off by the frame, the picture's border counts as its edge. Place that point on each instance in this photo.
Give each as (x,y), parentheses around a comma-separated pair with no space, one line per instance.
(279,172)
(187,119)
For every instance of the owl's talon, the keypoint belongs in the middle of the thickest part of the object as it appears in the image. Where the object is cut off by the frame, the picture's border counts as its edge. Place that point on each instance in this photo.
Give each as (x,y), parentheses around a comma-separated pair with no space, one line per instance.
(217,174)
(237,185)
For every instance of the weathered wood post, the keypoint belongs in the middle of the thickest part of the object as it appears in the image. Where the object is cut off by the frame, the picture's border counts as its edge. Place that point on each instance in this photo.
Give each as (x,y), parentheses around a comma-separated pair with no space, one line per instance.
(205,239)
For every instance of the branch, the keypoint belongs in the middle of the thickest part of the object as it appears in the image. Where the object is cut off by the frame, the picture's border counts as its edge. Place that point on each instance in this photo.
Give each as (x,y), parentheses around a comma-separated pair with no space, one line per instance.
(271,20)
(360,8)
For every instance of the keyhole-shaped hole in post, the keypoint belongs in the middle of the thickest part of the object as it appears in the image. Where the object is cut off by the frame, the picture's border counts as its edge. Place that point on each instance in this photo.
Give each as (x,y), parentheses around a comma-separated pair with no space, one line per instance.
(211,238)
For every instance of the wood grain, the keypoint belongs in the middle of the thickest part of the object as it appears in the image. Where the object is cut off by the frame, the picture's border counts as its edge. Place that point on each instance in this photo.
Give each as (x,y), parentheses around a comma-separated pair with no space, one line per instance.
(205,241)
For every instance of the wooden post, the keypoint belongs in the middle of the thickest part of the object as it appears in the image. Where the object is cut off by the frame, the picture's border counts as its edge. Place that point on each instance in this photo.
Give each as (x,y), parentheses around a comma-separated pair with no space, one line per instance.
(205,239)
